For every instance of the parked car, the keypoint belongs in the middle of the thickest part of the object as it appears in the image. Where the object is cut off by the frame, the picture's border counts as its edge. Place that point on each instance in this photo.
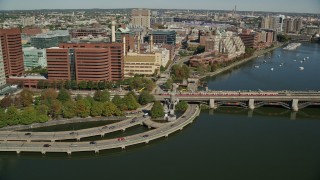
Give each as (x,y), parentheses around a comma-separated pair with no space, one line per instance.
(27,134)
(46,145)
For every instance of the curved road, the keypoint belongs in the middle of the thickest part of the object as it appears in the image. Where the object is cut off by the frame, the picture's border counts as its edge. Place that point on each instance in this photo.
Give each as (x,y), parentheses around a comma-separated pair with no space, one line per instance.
(67,147)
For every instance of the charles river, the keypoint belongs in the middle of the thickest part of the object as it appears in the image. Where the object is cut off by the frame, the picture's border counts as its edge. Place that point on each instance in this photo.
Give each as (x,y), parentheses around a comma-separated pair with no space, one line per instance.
(226,143)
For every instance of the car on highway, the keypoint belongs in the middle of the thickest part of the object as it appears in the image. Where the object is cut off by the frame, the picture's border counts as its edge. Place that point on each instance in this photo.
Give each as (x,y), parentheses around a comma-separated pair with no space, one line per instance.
(146,135)
(104,127)
(27,134)
(46,145)
(73,145)
(121,139)
(111,127)
(72,133)
(93,142)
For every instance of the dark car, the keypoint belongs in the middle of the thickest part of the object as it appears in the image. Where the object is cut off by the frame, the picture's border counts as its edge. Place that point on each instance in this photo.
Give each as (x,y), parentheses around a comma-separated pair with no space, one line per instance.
(27,134)
(132,121)
(146,135)
(112,127)
(104,127)
(72,133)
(46,145)
(93,142)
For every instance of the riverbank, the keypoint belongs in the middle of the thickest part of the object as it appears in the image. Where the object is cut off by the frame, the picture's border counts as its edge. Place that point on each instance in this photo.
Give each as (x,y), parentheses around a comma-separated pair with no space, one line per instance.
(235,64)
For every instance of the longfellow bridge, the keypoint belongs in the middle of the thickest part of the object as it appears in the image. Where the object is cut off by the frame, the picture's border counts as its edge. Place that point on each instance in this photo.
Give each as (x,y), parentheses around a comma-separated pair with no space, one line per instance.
(294,100)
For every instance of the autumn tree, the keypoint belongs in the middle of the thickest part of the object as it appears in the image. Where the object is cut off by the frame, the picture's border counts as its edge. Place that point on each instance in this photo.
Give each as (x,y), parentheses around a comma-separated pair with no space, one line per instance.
(69,109)
(26,97)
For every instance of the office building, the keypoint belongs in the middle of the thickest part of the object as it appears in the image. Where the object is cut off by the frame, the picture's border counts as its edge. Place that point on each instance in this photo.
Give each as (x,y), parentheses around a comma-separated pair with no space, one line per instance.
(50,39)
(162,37)
(95,32)
(86,62)
(250,39)
(141,18)
(12,51)
(33,57)
(145,64)
(28,21)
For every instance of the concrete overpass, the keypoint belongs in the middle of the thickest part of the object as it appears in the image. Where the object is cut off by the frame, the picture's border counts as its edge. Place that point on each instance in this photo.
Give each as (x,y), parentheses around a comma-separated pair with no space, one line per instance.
(69,147)
(67,135)
(251,100)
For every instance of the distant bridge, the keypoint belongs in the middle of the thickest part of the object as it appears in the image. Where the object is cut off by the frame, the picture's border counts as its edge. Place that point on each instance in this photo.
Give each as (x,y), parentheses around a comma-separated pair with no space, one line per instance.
(290,100)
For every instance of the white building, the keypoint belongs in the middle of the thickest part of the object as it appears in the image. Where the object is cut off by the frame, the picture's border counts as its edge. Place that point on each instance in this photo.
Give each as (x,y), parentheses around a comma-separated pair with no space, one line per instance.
(141,18)
(33,57)
(28,21)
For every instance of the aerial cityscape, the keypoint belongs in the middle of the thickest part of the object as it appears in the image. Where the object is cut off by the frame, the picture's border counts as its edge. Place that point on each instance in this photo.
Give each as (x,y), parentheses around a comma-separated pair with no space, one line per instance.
(159,89)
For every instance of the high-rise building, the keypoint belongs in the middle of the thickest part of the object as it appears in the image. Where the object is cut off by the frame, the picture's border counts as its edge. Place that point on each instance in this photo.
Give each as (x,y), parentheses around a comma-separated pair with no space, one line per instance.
(2,72)
(12,51)
(86,62)
(163,37)
(141,18)
(33,57)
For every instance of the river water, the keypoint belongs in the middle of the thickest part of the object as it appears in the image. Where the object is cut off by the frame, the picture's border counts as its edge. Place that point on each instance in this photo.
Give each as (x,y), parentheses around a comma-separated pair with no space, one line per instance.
(227,143)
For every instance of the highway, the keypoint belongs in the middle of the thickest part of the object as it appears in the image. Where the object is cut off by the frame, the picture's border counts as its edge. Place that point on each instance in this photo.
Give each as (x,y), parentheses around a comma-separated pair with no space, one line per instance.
(69,147)
(65,135)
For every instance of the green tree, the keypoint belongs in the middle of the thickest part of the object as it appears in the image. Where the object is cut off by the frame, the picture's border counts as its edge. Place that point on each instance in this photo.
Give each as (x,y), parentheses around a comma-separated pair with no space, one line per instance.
(28,116)
(117,100)
(82,85)
(82,109)
(102,96)
(90,85)
(110,109)
(97,109)
(3,119)
(157,110)
(130,101)
(74,85)
(40,84)
(182,106)
(102,85)
(162,69)
(67,84)
(168,84)
(145,97)
(69,109)
(42,113)
(63,95)
(12,116)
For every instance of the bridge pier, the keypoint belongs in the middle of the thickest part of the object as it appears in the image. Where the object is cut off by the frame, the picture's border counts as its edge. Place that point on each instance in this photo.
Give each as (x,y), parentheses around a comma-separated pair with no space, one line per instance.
(96,151)
(43,152)
(212,104)
(78,138)
(102,135)
(123,129)
(18,152)
(251,104)
(295,105)
(53,140)
(123,147)
(69,153)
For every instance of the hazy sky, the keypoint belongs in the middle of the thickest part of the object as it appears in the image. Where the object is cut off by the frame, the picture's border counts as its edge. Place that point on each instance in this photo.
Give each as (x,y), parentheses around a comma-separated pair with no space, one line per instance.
(307,6)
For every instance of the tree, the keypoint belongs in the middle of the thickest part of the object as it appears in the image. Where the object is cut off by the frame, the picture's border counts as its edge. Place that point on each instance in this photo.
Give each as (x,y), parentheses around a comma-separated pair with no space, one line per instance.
(63,95)
(55,108)
(130,102)
(12,116)
(162,69)
(74,85)
(67,84)
(28,116)
(102,96)
(82,85)
(69,109)
(82,110)
(42,113)
(3,119)
(102,85)
(110,109)
(145,97)
(182,106)
(40,84)
(157,110)
(117,100)
(96,109)
(7,101)
(90,85)
(168,84)
(26,97)
(49,94)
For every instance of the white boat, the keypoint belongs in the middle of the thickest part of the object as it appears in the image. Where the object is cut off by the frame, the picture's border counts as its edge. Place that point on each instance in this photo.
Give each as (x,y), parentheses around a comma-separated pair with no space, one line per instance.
(301,61)
(256,66)
(271,69)
(294,60)
(265,61)
(307,57)
(301,68)
(292,46)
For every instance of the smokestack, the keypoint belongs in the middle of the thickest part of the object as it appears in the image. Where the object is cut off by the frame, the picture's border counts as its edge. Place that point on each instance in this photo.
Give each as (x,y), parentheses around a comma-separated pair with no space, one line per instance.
(139,39)
(124,46)
(151,43)
(113,29)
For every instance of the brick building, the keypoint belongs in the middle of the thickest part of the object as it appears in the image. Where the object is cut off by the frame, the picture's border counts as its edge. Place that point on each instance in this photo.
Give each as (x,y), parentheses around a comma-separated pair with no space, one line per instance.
(86,62)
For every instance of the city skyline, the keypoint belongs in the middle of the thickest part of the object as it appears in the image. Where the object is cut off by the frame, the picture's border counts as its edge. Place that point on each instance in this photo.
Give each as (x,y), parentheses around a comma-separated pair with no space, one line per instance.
(297,6)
